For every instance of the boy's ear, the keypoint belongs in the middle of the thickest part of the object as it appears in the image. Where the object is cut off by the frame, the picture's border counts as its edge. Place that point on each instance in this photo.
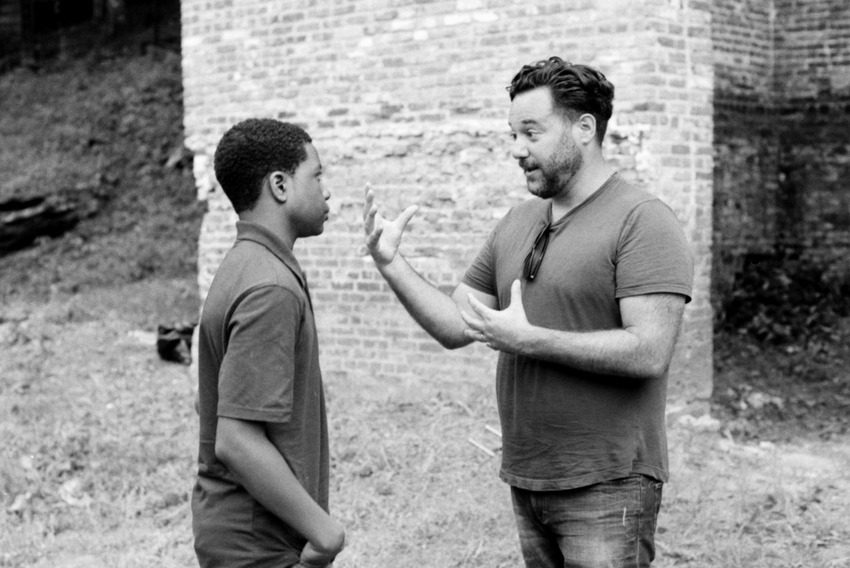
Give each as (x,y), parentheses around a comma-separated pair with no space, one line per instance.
(277,186)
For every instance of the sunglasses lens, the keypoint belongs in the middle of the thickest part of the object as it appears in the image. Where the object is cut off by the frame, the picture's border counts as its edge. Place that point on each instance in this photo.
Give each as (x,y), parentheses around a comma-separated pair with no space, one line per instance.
(534,258)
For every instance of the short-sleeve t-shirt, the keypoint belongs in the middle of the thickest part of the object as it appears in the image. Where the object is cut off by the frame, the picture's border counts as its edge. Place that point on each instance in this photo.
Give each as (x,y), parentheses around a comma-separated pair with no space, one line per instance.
(258,360)
(562,427)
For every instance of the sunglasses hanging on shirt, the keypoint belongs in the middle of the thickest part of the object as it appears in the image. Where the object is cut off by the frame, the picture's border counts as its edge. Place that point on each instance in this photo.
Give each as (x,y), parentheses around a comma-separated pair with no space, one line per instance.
(534,258)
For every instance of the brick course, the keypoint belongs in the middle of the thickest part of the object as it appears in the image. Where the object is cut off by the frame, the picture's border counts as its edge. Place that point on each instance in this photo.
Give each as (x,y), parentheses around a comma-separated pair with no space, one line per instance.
(410,97)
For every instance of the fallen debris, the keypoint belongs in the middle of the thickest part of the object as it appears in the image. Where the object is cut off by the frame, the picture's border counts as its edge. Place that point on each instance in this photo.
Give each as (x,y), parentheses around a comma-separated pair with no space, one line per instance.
(482,447)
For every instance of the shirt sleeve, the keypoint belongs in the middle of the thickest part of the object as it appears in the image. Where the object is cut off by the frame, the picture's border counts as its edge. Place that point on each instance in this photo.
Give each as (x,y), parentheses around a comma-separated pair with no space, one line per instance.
(480,275)
(256,378)
(653,255)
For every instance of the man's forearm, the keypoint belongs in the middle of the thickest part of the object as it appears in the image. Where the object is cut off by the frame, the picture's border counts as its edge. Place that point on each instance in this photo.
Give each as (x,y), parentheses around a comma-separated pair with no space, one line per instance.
(433,310)
(641,348)
(610,352)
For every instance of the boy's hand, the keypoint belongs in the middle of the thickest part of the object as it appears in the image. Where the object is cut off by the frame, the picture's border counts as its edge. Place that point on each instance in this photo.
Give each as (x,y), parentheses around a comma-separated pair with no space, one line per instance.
(383,236)
(311,557)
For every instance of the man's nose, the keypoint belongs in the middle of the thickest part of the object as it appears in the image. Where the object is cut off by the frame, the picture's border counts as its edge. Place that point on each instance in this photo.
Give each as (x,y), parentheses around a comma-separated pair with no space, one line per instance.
(519,149)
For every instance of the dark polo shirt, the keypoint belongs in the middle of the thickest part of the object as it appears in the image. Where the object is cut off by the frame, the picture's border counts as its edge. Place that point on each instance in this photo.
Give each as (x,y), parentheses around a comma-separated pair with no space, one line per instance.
(258,360)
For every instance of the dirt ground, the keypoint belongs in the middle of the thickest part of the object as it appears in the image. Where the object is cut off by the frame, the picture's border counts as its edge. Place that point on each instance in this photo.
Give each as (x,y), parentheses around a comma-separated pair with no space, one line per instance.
(99,451)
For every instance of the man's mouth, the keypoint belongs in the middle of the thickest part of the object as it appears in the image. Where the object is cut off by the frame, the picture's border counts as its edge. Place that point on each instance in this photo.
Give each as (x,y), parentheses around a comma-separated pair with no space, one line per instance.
(527,168)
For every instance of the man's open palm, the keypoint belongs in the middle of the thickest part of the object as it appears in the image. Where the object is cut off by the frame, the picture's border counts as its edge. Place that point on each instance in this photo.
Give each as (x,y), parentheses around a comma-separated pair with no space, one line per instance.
(383,236)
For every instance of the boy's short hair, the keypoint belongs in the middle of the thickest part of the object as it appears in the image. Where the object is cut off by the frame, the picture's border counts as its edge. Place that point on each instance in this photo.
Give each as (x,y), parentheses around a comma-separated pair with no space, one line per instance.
(576,89)
(252,149)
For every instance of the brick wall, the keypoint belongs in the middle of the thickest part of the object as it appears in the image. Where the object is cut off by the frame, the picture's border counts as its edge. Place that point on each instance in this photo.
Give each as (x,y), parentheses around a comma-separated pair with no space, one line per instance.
(813,82)
(782,131)
(410,96)
(746,143)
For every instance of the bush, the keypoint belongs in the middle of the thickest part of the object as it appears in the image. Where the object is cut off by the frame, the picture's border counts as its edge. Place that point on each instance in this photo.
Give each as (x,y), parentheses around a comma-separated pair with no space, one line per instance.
(785,298)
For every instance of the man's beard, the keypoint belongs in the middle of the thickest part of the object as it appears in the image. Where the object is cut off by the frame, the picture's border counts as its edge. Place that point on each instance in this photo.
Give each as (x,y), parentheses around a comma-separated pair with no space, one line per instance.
(557,173)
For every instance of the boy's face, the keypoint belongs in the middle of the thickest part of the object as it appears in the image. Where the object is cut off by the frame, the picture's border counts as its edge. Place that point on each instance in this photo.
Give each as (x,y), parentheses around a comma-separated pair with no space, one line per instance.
(307,196)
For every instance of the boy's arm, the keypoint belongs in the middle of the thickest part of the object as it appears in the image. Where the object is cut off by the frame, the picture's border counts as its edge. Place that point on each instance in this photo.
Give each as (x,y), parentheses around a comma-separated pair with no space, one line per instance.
(248,453)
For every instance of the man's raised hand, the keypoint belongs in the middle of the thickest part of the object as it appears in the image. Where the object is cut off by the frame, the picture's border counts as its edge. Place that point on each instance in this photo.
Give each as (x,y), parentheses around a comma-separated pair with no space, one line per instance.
(383,236)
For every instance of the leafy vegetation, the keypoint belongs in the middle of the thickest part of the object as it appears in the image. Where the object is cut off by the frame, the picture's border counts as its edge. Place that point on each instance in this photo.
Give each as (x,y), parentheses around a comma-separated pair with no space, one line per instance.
(786,298)
(110,128)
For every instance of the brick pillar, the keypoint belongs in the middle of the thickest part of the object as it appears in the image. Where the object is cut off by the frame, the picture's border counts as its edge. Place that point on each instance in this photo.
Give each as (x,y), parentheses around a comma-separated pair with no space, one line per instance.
(410,96)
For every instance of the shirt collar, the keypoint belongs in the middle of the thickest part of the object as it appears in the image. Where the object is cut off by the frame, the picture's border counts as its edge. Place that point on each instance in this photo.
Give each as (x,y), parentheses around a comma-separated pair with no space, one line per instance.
(590,198)
(249,231)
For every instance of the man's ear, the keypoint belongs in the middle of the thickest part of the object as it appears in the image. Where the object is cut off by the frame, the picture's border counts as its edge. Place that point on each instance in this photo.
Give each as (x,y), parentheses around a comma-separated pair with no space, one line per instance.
(585,128)
(277,186)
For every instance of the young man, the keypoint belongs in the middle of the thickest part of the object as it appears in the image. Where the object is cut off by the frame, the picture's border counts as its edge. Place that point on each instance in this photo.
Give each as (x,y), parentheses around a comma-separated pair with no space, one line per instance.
(261,497)
(582,293)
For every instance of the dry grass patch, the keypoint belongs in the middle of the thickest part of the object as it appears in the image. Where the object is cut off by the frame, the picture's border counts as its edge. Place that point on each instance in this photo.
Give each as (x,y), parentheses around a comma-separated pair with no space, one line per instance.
(755,505)
(99,457)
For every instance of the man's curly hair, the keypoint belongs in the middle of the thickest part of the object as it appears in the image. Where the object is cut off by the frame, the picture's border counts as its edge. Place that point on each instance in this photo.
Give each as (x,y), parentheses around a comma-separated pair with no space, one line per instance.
(252,149)
(576,89)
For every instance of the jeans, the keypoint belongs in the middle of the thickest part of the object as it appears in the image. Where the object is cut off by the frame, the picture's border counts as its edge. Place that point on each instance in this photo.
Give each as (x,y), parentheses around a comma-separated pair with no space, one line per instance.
(606,525)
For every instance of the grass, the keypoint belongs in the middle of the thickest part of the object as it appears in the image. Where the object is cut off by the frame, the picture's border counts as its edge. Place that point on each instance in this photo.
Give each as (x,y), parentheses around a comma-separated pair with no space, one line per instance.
(100,442)
(765,505)
(95,434)
(99,435)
